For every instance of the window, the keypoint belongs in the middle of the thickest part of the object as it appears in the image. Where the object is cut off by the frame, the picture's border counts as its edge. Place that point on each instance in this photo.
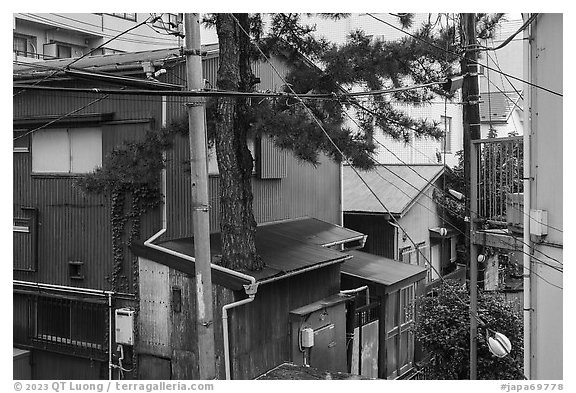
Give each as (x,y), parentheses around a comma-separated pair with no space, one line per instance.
(70,324)
(24,45)
(63,51)
(131,17)
(399,335)
(168,22)
(416,256)
(446,126)
(406,254)
(24,243)
(66,150)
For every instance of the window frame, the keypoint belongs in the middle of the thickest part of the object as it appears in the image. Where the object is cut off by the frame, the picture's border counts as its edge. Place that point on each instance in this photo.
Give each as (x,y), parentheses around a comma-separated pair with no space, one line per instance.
(446,124)
(124,16)
(69,131)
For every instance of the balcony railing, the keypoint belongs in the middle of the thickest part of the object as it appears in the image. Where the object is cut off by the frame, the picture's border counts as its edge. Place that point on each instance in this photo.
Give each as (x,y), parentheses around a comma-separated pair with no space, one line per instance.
(31,55)
(497,178)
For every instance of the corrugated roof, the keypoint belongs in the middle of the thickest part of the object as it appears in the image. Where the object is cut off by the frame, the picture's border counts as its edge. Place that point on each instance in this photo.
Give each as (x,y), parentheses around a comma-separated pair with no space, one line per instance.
(381,270)
(397,186)
(107,62)
(496,107)
(314,231)
(281,254)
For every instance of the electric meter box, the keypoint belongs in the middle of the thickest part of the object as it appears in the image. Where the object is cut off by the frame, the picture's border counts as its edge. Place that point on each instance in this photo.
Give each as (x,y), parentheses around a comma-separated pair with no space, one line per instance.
(307,338)
(124,326)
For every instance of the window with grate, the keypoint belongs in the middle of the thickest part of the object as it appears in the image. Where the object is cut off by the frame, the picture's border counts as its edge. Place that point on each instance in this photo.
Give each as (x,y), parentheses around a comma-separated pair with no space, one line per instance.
(446,126)
(71,325)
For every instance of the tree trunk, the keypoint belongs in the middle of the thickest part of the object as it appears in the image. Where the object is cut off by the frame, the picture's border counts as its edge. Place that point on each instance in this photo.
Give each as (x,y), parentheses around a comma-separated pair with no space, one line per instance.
(237,223)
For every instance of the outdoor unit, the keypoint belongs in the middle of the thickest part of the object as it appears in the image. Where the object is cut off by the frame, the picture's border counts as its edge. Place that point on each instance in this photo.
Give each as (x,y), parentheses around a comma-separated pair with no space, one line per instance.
(124,326)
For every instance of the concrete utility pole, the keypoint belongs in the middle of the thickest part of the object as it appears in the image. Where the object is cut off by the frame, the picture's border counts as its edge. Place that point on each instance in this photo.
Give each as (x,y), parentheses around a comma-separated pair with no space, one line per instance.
(471,122)
(200,215)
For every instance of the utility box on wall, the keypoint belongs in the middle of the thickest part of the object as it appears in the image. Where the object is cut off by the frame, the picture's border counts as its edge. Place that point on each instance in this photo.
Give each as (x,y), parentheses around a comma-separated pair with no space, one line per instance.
(318,334)
(124,326)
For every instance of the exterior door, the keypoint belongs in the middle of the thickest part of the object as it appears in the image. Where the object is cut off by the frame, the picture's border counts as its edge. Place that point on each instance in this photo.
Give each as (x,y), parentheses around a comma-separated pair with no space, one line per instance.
(399,331)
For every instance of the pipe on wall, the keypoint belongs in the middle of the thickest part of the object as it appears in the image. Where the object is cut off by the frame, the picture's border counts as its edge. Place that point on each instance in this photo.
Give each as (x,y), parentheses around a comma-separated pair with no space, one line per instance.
(527,201)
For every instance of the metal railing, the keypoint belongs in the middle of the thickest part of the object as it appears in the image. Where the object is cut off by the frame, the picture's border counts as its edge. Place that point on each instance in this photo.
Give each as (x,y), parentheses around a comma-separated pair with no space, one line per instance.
(62,324)
(497,174)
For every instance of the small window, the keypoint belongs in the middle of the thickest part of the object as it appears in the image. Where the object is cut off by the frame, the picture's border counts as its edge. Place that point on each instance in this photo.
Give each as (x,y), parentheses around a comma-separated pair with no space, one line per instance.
(121,15)
(446,126)
(21,141)
(168,22)
(24,254)
(66,150)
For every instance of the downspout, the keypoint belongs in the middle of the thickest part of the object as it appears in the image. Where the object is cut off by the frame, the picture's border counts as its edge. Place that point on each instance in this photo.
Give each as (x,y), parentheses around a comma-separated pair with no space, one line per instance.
(109,336)
(251,290)
(527,201)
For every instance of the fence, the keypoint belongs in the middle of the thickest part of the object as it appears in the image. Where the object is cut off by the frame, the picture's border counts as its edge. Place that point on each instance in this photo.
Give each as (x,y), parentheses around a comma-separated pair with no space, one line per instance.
(497,172)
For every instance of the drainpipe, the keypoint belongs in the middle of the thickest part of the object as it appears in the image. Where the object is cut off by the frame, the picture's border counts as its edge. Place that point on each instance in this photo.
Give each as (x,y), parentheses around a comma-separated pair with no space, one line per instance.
(110,336)
(527,201)
(359,289)
(251,290)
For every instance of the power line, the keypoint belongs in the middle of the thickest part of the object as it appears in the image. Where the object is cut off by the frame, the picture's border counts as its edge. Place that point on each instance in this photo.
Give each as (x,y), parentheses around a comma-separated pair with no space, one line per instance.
(111,29)
(86,54)
(510,38)
(44,20)
(481,323)
(460,56)
(218,93)
(61,117)
(444,193)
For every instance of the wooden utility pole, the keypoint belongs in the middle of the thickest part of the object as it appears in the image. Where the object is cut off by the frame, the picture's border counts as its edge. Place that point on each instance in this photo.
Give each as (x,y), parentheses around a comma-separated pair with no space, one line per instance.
(200,215)
(471,122)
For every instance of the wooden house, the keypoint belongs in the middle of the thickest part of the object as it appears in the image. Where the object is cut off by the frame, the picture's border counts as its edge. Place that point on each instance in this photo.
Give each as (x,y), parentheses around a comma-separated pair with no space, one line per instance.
(65,299)
(409,215)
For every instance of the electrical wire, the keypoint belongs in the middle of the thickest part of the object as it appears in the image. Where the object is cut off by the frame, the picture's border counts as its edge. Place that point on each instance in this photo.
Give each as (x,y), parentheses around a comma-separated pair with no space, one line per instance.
(43,20)
(447,208)
(317,121)
(460,55)
(113,30)
(510,38)
(88,53)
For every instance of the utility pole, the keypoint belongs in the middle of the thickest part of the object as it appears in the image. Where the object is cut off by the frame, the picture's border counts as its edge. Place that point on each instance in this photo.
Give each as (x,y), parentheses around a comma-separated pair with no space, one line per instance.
(471,122)
(200,215)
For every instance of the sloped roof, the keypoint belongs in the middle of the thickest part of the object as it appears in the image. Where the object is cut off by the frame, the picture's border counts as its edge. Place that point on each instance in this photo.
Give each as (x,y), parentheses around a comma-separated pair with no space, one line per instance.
(381,270)
(397,186)
(105,63)
(496,107)
(283,255)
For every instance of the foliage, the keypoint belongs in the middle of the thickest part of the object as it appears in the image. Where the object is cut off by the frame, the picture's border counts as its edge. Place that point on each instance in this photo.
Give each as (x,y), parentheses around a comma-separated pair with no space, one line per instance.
(443,329)
(130,179)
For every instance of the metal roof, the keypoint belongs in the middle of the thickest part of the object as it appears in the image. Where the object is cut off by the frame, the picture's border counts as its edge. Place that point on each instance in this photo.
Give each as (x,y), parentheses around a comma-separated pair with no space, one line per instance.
(397,186)
(380,270)
(106,63)
(318,232)
(496,107)
(283,255)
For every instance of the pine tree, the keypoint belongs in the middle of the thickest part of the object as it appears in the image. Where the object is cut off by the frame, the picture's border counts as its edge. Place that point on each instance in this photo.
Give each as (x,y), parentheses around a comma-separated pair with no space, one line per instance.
(317,66)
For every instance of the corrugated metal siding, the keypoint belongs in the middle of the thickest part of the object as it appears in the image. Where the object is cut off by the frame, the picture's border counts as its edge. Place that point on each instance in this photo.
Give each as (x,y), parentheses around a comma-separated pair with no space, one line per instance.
(305,191)
(73,226)
(271,160)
